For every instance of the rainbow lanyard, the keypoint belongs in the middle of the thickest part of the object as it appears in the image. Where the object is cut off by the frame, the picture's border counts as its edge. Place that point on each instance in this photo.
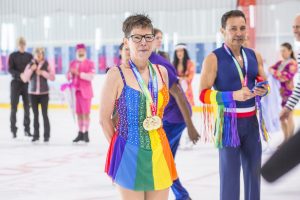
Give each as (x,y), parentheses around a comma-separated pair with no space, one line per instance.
(150,92)
(238,67)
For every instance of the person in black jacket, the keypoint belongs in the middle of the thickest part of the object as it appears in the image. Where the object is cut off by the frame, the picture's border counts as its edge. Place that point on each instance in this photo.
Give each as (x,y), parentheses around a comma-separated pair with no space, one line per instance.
(17,63)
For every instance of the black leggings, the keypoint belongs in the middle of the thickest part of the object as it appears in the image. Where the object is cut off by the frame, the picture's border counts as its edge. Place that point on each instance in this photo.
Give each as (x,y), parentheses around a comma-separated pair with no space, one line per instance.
(35,101)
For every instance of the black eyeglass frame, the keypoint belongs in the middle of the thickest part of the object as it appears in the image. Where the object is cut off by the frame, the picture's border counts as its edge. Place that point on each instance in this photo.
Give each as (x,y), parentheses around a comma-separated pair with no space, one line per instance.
(142,36)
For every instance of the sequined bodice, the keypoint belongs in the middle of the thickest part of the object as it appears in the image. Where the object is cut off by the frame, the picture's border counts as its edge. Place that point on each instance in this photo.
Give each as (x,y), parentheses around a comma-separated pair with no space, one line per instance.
(131,108)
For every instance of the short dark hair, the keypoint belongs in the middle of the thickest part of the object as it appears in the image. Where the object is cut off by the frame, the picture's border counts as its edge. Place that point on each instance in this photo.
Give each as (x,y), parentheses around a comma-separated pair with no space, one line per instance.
(136,21)
(156,30)
(232,13)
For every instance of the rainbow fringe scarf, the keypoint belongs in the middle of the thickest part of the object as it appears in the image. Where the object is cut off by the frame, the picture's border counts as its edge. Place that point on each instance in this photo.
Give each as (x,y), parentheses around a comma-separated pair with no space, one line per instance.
(220,118)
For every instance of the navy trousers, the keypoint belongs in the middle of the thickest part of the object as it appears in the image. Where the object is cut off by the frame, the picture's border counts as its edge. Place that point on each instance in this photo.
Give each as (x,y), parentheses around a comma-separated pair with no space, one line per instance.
(174,132)
(248,155)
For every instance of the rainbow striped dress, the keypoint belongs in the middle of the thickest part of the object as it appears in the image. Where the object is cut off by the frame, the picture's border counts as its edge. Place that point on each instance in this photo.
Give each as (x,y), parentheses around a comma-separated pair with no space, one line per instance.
(137,159)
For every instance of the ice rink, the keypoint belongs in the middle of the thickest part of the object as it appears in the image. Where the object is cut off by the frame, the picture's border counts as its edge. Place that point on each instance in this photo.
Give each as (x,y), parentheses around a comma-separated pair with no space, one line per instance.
(61,170)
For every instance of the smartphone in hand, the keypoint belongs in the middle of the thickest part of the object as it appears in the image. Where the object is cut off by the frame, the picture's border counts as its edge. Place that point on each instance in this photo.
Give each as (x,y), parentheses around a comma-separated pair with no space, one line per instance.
(259,85)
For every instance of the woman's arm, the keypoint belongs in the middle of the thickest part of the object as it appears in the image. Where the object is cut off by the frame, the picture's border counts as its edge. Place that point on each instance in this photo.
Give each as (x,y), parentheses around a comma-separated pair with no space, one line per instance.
(108,97)
(191,71)
(273,69)
(164,74)
(49,74)
(287,73)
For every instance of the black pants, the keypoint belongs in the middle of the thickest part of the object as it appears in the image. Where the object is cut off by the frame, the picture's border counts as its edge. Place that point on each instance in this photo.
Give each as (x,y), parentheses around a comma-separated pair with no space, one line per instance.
(18,88)
(35,101)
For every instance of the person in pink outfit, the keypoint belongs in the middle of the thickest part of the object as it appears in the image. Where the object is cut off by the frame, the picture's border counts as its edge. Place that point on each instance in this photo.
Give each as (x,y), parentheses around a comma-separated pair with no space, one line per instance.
(284,71)
(81,73)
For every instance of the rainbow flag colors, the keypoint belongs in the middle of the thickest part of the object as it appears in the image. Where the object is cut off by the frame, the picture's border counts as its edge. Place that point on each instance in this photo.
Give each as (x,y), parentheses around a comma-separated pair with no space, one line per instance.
(220,118)
(138,159)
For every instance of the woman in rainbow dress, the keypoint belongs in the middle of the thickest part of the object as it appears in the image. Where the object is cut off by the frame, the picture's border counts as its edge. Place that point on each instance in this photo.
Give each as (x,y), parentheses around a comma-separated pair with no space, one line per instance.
(139,159)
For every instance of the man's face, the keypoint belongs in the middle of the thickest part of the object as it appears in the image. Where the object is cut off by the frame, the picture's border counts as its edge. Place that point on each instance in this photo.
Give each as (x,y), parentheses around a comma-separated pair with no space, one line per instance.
(296,28)
(22,46)
(158,40)
(81,53)
(235,31)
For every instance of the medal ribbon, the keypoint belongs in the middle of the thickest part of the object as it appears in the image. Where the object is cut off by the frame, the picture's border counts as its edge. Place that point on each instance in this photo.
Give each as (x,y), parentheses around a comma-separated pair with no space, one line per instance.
(150,92)
(238,67)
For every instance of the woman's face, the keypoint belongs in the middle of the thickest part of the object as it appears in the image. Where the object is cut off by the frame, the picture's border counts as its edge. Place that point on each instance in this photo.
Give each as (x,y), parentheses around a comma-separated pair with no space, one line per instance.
(140,43)
(180,53)
(285,52)
(39,56)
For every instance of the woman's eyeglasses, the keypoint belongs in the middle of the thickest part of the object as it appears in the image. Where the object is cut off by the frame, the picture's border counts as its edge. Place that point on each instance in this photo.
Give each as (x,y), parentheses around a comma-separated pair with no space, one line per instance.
(138,38)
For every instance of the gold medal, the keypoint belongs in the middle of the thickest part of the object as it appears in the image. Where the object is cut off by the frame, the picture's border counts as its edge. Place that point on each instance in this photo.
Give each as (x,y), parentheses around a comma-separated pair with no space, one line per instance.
(147,124)
(156,121)
(152,123)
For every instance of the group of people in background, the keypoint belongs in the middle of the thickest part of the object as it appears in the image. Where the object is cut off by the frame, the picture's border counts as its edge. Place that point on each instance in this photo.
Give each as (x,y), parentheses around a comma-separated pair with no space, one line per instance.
(30,75)
(146,104)
(30,80)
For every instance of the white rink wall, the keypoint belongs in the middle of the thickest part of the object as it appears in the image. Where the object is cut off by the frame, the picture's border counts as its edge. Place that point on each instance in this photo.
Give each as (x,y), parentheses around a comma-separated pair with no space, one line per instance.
(57,97)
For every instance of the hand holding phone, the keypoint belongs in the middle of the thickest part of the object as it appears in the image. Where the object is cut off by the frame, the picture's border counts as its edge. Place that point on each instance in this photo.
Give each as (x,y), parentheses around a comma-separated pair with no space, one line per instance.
(259,85)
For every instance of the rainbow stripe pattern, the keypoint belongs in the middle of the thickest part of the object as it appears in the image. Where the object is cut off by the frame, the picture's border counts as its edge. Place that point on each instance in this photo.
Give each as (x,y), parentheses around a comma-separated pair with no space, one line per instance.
(137,159)
(220,118)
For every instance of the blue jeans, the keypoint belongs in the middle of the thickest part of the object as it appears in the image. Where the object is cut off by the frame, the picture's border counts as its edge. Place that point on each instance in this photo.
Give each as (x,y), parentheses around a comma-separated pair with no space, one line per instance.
(248,155)
(174,132)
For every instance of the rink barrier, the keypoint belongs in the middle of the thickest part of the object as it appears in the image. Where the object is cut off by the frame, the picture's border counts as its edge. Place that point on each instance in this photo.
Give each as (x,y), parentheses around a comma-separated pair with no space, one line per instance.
(196,109)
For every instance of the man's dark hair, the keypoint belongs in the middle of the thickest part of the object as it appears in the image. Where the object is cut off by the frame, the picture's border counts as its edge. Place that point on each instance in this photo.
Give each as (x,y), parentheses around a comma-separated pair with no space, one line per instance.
(136,21)
(232,13)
